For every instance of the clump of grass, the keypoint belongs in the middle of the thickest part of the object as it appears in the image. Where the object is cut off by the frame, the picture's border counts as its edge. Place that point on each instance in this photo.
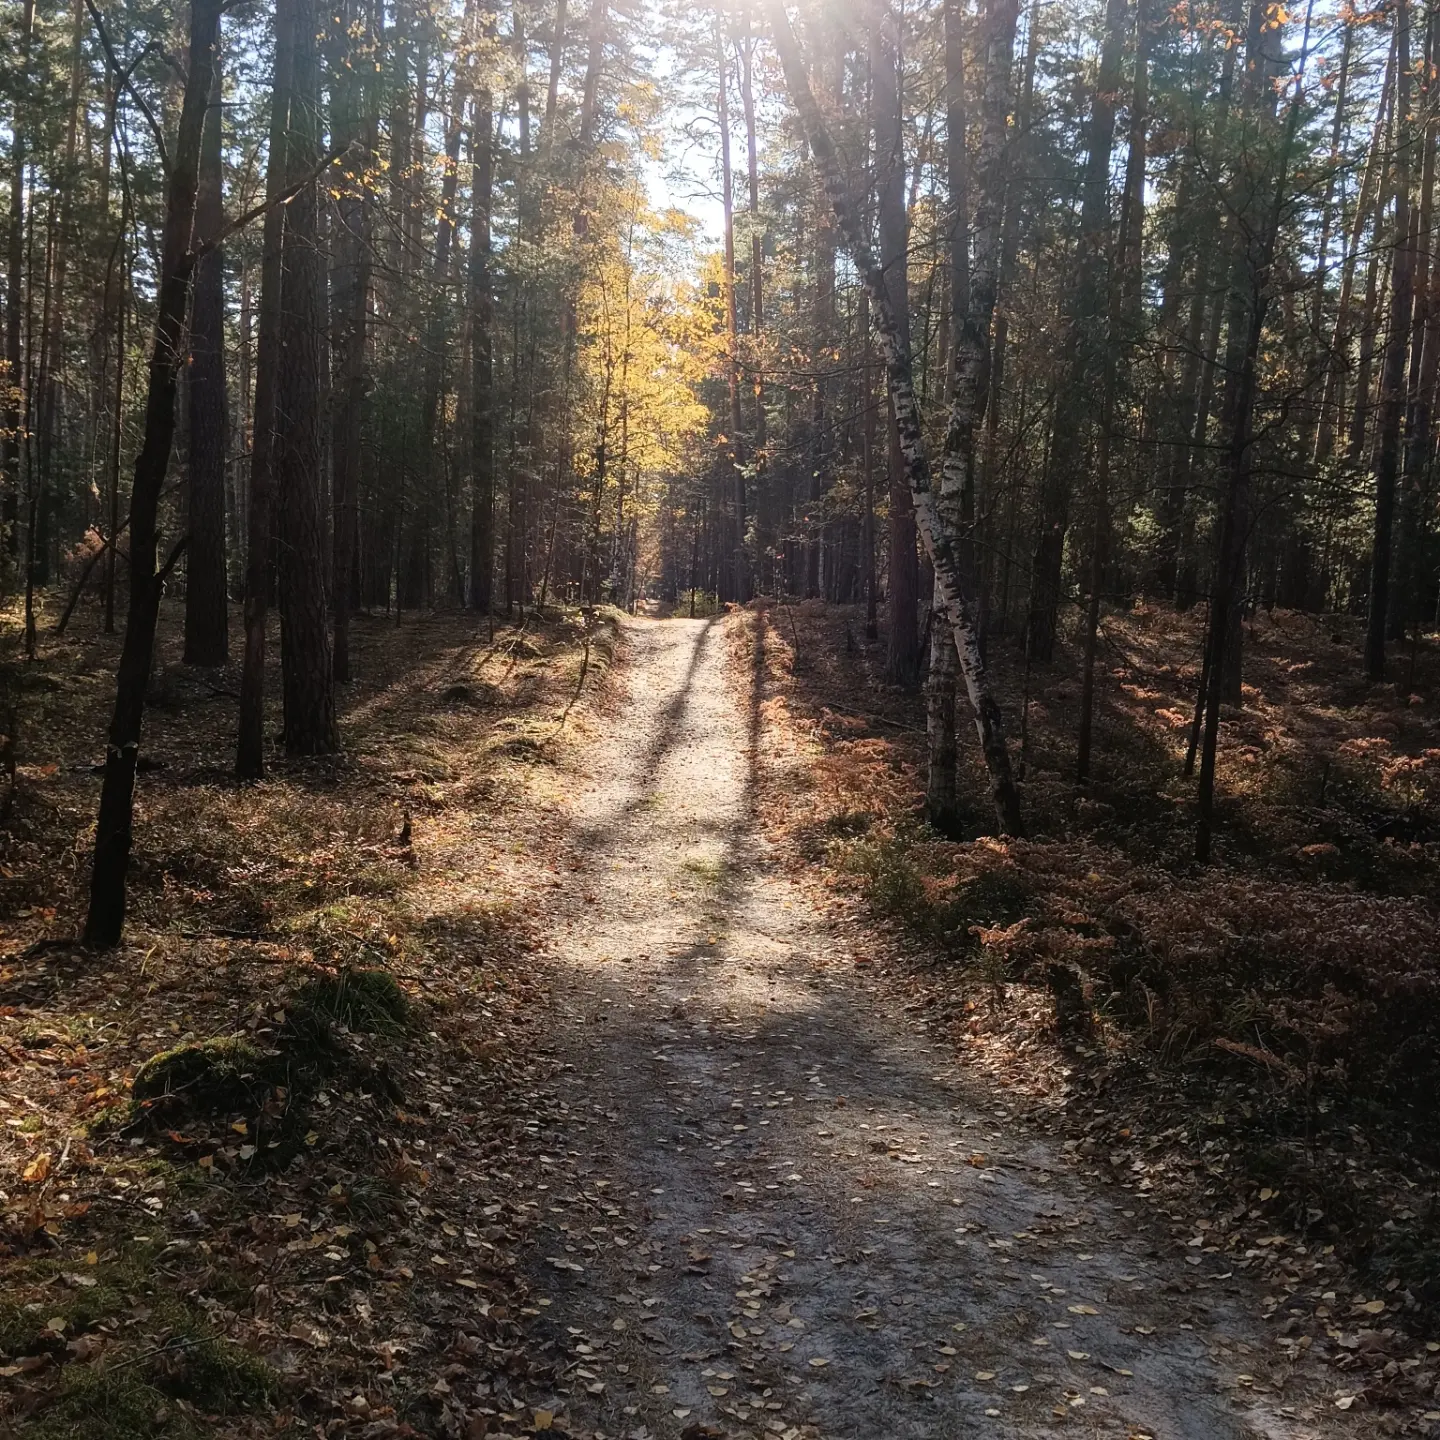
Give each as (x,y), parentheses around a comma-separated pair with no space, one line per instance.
(366,999)
(707,871)
(888,875)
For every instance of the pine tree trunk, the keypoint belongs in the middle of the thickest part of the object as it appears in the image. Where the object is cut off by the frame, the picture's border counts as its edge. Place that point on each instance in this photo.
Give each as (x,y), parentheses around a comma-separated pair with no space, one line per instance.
(739,553)
(482,324)
(354,121)
(902,596)
(1392,376)
(757,261)
(1255,242)
(1423,359)
(306,666)
(105,921)
(206,587)
(12,379)
(1332,397)
(552,89)
(1079,360)
(260,530)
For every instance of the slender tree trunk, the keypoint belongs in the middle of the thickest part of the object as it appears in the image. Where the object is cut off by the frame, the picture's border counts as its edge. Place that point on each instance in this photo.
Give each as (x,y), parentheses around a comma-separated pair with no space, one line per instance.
(973,290)
(12,407)
(1423,360)
(552,90)
(732,327)
(757,255)
(941,793)
(940,546)
(105,920)
(482,324)
(1123,316)
(207,591)
(117,435)
(1078,364)
(867,466)
(354,120)
(250,747)
(902,604)
(306,665)
(1364,370)
(1331,401)
(1255,240)
(1392,377)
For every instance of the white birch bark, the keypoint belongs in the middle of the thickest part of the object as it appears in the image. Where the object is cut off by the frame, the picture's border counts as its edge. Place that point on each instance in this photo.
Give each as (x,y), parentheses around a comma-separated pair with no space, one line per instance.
(939,543)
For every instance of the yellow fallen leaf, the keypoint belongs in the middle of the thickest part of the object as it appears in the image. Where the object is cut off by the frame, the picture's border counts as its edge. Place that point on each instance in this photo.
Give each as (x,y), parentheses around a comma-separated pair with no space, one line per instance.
(1373,1307)
(1083,1310)
(544,1420)
(240,1127)
(38,1170)
(818,1361)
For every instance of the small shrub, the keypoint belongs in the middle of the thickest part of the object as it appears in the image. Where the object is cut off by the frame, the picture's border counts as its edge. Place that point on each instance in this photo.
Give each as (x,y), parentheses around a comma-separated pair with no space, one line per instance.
(923,886)
(888,875)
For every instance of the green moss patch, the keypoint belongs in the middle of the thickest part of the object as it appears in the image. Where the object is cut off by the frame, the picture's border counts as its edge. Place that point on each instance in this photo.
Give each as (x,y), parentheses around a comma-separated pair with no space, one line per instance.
(111,1375)
(212,1077)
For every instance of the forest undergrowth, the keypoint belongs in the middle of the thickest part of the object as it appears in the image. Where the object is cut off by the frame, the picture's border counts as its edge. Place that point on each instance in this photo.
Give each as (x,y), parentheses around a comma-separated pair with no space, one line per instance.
(276,1146)
(1249,1048)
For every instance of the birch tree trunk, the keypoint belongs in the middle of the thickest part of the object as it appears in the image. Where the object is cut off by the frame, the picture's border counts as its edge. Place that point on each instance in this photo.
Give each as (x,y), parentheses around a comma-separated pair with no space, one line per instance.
(973,289)
(959,607)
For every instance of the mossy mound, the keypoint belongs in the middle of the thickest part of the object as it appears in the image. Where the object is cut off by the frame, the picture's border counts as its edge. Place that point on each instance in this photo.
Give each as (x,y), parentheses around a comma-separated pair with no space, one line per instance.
(368,1000)
(212,1077)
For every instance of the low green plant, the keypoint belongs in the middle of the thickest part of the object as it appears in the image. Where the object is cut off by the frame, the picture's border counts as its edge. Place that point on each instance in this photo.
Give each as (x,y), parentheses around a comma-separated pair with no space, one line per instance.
(359,999)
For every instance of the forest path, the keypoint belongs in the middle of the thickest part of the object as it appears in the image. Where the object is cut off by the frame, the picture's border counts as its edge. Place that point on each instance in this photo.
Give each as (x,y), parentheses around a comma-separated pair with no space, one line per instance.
(794,1215)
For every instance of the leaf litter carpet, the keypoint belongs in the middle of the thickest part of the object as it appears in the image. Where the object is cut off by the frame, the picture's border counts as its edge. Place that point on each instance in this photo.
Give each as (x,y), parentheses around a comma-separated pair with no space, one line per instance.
(788,1213)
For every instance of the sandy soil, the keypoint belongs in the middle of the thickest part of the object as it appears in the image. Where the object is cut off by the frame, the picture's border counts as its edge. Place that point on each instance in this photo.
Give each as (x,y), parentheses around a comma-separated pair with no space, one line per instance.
(779,1208)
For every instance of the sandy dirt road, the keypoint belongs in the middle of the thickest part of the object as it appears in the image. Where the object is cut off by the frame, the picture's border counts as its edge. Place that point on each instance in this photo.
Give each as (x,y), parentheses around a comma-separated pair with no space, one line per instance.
(792,1214)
